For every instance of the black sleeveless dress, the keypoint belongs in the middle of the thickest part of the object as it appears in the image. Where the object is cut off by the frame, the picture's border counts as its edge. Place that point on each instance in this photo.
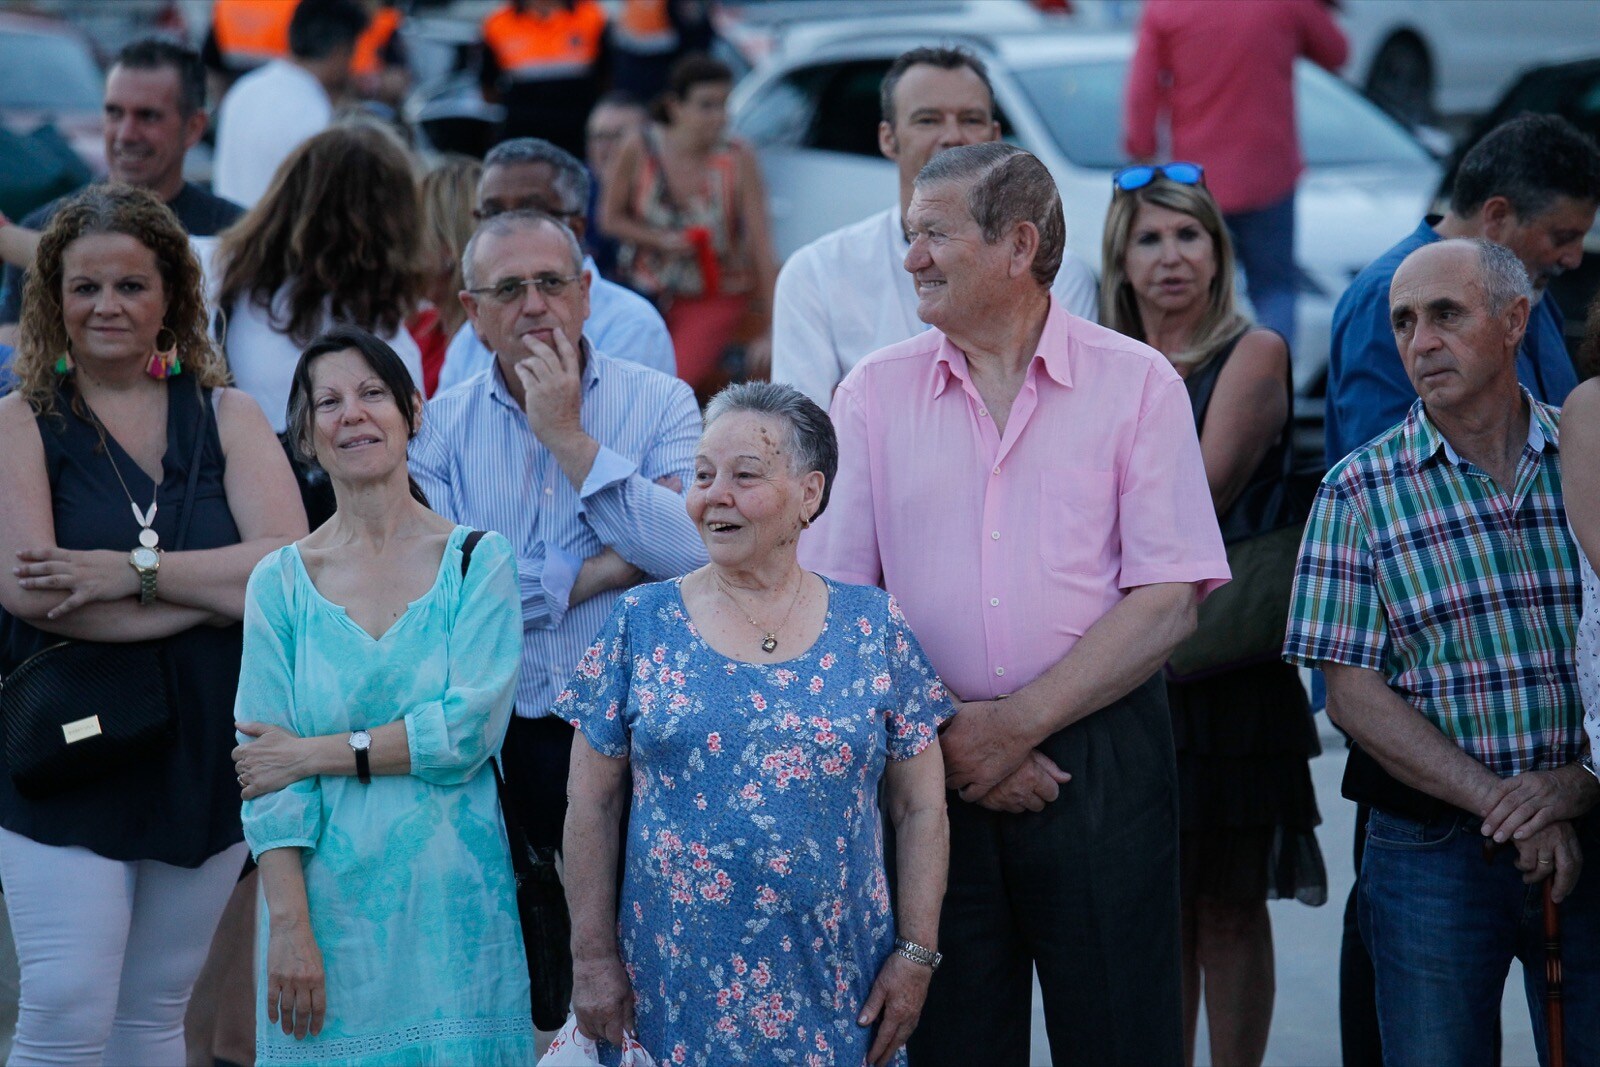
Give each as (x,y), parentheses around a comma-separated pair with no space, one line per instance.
(1246,804)
(182,806)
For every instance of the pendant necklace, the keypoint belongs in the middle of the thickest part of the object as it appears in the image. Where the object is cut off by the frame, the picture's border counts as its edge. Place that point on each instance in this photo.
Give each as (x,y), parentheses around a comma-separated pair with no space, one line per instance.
(769,638)
(147,537)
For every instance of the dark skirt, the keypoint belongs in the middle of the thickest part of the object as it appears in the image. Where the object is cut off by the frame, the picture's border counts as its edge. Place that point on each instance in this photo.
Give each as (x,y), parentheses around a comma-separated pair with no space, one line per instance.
(1246,806)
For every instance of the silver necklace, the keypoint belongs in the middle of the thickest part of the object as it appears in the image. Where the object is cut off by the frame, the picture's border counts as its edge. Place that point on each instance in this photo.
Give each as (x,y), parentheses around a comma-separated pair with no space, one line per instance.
(769,638)
(147,537)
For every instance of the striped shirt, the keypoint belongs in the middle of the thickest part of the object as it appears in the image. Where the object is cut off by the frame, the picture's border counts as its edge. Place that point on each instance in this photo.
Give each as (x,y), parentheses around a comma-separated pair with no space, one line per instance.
(481,466)
(1416,564)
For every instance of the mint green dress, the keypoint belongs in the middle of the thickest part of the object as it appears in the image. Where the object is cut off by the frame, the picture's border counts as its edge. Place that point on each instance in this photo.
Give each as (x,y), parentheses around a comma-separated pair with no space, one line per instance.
(408,878)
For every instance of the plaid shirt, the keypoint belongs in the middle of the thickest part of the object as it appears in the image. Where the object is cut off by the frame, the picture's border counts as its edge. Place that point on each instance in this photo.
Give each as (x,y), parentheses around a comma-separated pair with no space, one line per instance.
(1414,563)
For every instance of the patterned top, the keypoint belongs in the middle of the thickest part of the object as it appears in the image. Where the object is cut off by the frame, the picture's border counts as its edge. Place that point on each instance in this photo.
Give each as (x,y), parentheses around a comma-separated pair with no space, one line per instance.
(755,913)
(1416,564)
(1589,655)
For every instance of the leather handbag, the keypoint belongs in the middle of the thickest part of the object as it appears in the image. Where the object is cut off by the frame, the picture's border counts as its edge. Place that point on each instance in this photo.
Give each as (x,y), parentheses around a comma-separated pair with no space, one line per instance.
(77,710)
(1243,622)
(541,900)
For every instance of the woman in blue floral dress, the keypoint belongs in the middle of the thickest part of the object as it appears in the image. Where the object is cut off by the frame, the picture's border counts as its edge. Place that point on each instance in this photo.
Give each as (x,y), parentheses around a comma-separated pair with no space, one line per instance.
(757,708)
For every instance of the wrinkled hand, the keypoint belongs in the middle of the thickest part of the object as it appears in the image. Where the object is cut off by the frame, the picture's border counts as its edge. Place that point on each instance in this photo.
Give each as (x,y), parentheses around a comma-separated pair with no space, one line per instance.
(84,577)
(1524,804)
(897,996)
(552,385)
(297,987)
(1029,788)
(982,746)
(275,759)
(1553,851)
(602,999)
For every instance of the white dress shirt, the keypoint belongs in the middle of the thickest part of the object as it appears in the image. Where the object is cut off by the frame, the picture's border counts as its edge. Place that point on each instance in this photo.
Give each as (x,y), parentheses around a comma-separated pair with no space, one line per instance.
(264,117)
(847,294)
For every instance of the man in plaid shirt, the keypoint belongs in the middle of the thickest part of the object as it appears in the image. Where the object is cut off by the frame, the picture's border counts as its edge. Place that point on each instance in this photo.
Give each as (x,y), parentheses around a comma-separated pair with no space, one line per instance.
(1438,589)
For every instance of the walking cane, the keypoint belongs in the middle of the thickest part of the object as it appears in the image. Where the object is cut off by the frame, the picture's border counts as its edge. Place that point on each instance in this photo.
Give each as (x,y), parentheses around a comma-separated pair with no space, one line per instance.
(1552,978)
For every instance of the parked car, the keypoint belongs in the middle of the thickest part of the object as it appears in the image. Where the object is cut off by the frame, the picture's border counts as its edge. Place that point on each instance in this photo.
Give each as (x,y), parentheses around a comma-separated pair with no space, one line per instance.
(812,111)
(1571,90)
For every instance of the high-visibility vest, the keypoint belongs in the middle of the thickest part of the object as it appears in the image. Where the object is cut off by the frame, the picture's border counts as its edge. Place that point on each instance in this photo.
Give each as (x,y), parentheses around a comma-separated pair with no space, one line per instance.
(644,27)
(533,47)
(252,31)
(384,25)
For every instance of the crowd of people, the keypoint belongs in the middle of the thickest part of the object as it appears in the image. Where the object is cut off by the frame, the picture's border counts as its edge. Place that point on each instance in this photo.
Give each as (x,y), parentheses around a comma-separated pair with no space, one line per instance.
(866,637)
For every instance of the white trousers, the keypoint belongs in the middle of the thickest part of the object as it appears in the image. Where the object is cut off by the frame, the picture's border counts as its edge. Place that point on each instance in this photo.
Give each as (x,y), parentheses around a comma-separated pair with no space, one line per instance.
(109,951)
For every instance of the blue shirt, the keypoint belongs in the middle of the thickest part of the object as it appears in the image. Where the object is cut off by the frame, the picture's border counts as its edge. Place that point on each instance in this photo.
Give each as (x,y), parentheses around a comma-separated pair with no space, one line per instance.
(481,466)
(1368,390)
(621,323)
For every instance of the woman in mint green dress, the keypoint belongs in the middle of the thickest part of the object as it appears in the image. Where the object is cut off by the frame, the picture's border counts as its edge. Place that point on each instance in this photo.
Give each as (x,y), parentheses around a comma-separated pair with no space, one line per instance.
(376,685)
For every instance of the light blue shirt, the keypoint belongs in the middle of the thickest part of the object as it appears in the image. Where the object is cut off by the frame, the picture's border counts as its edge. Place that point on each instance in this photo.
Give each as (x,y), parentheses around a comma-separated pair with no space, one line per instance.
(621,323)
(480,465)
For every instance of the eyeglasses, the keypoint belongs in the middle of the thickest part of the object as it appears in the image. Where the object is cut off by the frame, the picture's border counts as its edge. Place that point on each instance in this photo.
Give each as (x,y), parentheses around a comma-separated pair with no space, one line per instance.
(1137,177)
(510,290)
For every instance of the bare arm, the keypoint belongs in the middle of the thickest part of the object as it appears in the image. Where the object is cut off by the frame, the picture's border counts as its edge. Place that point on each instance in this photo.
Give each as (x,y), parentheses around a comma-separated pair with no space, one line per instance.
(617,217)
(757,228)
(296,985)
(1247,413)
(989,740)
(18,244)
(596,794)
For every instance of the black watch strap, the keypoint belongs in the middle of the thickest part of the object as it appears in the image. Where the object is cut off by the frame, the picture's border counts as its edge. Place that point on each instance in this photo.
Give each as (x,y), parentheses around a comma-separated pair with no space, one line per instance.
(363,766)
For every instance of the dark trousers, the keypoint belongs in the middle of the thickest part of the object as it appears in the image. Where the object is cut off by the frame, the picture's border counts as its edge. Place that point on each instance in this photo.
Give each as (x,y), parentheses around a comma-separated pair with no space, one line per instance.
(1085,890)
(535,756)
(1358,1001)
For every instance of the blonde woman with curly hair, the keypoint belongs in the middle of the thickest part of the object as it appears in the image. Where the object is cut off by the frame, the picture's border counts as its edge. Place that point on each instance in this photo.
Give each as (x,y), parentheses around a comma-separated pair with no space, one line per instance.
(139,493)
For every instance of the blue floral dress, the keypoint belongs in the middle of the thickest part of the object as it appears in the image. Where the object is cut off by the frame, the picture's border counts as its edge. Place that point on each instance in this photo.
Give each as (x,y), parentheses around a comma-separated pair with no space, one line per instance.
(755,913)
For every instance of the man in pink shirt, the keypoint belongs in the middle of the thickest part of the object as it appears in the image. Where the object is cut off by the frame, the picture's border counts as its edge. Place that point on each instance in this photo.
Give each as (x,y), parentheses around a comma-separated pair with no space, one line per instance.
(1223,73)
(1029,485)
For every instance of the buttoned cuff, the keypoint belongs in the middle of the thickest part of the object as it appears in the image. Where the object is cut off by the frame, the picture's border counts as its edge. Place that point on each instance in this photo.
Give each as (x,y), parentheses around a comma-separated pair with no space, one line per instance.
(608,469)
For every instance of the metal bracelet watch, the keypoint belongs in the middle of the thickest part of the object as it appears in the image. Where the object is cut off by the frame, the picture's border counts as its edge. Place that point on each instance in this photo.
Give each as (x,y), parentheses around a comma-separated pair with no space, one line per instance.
(146,561)
(360,743)
(917,954)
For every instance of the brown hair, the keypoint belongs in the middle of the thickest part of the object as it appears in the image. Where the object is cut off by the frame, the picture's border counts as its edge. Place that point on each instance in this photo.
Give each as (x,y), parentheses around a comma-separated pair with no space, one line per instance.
(696,68)
(338,230)
(1119,310)
(447,195)
(139,214)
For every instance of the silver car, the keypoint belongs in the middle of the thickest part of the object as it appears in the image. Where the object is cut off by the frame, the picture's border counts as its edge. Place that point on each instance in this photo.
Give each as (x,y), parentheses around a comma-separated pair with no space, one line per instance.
(812,114)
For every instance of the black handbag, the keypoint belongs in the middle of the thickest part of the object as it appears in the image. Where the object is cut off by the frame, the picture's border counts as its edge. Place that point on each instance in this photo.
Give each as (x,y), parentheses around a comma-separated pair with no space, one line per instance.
(541,901)
(1243,622)
(78,709)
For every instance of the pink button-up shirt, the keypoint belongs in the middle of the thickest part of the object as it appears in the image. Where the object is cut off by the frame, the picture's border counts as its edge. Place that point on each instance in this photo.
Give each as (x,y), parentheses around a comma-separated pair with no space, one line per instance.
(1004,549)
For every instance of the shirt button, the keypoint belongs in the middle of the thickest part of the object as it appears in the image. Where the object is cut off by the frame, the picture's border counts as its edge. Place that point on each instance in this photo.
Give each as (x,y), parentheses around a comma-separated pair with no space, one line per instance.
(994,602)
(1000,670)
(995,536)
(983,413)
(549,491)
(997,470)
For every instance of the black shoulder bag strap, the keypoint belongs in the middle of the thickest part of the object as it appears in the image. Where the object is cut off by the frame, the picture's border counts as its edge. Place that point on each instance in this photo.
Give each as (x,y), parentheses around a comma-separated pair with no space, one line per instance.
(201,427)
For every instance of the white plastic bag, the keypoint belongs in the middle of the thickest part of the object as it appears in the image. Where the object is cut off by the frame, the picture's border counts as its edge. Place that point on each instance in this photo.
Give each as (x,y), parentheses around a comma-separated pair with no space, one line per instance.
(570,1048)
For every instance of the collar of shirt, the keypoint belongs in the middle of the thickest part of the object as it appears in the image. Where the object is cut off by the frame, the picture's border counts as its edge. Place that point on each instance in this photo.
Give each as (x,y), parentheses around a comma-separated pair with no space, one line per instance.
(1425,444)
(500,393)
(1053,351)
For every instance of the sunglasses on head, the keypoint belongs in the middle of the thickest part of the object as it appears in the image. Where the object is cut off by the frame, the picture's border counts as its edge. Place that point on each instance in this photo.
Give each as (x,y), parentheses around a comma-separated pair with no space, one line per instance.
(1137,177)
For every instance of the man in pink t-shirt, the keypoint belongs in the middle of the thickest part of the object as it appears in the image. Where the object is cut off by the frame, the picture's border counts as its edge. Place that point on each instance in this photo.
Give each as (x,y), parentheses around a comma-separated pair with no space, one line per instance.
(1029,486)
(1222,71)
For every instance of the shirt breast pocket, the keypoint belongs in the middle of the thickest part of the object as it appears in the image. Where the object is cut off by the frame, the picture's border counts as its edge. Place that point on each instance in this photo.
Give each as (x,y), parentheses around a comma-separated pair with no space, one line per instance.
(1077,509)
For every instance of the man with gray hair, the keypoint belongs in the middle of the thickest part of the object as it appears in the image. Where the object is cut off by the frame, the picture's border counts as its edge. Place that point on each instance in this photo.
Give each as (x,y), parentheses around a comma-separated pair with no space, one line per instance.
(1029,486)
(579,459)
(530,174)
(845,294)
(1438,590)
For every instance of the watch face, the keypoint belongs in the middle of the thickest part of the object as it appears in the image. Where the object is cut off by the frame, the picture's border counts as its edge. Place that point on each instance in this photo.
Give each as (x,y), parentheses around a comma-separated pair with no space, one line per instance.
(146,559)
(361,740)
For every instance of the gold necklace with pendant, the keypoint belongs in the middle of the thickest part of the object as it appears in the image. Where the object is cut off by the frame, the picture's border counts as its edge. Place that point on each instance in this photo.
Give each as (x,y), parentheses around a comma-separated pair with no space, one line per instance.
(769,638)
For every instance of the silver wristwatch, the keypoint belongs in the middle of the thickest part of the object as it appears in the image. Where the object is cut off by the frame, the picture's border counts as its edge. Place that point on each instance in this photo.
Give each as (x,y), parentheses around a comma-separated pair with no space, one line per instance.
(917,954)
(360,742)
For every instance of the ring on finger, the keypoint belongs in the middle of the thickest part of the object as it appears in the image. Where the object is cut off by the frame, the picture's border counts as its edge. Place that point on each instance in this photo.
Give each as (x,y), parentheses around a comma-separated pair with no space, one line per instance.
(1545,861)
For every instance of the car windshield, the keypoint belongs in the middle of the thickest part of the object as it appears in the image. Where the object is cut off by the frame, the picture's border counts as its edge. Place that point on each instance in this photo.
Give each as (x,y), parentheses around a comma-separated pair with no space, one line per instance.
(1337,127)
(48,72)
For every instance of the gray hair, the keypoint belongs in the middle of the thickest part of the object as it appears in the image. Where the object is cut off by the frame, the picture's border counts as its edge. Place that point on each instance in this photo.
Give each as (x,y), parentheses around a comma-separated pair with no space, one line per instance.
(572,177)
(1008,185)
(815,447)
(1502,275)
(507,223)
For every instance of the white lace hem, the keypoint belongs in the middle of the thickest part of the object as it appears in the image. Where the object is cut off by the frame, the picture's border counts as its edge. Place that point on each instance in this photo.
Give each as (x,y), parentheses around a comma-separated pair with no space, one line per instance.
(349,1048)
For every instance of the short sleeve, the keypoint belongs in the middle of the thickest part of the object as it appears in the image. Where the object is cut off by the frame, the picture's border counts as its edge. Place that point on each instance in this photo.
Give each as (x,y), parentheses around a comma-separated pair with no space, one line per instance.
(921,702)
(595,701)
(1336,615)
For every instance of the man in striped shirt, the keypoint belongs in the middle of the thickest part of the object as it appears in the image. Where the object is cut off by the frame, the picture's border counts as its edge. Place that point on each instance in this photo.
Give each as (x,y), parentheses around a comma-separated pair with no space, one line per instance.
(1438,589)
(578,458)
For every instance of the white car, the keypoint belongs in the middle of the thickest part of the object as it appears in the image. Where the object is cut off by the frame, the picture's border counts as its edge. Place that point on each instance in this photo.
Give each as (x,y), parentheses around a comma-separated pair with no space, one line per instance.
(812,112)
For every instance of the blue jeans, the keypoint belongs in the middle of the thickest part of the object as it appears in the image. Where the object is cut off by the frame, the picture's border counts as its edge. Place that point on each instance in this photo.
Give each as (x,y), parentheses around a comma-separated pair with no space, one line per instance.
(1443,924)
(1264,242)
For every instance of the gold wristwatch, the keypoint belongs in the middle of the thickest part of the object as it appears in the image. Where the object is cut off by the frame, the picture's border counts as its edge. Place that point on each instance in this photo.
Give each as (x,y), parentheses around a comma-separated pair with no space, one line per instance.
(146,561)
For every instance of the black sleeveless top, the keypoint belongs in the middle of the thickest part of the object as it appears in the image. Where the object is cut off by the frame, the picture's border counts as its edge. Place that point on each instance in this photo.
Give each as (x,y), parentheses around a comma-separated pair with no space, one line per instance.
(182,806)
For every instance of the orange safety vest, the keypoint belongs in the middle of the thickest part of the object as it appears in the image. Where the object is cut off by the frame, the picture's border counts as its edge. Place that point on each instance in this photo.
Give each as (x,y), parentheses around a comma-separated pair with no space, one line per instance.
(252,31)
(533,47)
(645,27)
(384,25)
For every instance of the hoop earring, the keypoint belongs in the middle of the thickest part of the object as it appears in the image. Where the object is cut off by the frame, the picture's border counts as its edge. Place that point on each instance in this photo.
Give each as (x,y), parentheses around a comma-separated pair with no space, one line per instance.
(64,364)
(805,523)
(164,360)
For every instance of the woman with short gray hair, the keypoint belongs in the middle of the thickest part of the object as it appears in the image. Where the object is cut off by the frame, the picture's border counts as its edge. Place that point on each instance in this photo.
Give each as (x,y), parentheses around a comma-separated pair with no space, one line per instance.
(758,707)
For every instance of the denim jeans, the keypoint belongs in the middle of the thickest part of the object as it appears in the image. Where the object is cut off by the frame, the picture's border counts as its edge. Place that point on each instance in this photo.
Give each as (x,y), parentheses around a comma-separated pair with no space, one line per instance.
(1443,924)
(1264,242)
